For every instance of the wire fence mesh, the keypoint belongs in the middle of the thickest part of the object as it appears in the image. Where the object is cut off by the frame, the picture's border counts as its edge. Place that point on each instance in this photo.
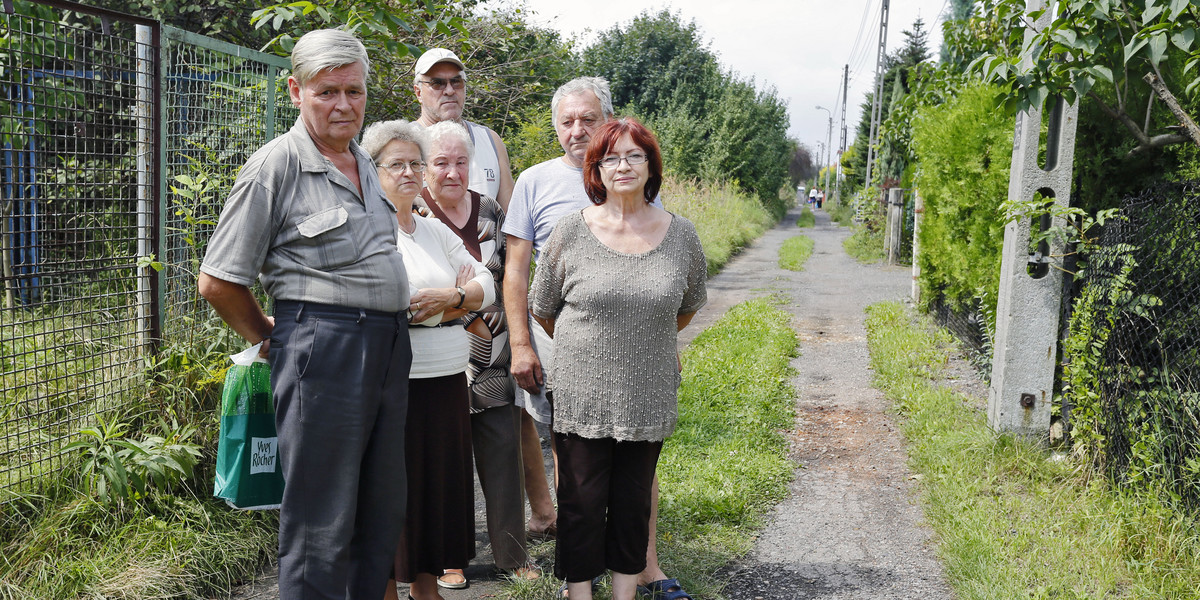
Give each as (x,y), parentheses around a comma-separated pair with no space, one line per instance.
(98,119)
(1145,281)
(222,103)
(71,330)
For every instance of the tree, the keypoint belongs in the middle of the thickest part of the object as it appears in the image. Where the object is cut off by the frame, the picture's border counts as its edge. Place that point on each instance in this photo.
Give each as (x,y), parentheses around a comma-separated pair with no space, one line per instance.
(711,124)
(802,166)
(656,61)
(1142,53)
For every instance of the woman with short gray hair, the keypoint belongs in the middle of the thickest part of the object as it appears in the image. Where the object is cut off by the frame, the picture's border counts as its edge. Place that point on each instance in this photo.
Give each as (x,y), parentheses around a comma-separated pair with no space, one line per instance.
(439,526)
(495,417)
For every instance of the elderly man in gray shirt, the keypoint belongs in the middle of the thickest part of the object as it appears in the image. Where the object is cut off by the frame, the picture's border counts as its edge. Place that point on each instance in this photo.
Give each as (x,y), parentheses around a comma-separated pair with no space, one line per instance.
(308,218)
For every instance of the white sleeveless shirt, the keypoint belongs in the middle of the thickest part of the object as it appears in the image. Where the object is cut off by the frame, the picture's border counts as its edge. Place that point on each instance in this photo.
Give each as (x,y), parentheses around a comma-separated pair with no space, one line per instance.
(485,167)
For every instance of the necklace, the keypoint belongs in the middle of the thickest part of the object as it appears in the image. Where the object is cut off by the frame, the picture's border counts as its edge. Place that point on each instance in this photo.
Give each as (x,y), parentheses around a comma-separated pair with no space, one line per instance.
(411,230)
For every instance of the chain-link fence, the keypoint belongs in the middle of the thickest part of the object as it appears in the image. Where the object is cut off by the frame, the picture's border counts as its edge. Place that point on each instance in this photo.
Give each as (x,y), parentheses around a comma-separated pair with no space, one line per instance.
(974,328)
(221,103)
(102,112)
(1144,314)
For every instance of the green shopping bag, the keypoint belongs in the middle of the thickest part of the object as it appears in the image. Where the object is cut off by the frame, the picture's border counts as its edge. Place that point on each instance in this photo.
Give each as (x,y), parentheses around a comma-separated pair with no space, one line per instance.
(248,472)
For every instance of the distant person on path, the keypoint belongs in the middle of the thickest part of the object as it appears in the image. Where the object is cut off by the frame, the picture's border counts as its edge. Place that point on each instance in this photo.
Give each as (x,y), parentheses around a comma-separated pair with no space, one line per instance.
(615,283)
(820,198)
(441,88)
(439,529)
(812,196)
(544,193)
(308,218)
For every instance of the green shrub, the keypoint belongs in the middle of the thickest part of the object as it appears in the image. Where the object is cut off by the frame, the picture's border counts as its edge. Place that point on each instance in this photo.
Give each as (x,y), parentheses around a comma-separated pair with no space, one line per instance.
(964,148)
(726,219)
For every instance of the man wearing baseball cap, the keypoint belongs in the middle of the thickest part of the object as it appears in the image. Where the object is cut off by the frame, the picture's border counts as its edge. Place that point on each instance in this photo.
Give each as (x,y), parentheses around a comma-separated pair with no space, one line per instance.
(440,86)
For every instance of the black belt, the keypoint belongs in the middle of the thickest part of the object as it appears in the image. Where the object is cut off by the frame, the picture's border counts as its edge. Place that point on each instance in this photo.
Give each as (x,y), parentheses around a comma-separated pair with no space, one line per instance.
(358,315)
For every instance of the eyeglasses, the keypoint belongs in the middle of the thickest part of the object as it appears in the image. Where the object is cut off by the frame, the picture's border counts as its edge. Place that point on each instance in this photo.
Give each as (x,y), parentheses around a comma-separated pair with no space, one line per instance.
(397,168)
(439,84)
(611,162)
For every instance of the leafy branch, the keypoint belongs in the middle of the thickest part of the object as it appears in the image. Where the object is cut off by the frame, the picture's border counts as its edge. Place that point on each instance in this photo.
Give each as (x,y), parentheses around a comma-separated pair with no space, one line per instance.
(1120,43)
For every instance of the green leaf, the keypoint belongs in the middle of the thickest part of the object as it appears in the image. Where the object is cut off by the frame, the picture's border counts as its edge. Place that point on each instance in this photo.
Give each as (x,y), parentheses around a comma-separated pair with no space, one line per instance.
(1133,47)
(1151,13)
(1082,85)
(1089,43)
(1184,39)
(1065,37)
(1158,47)
(1177,7)
(1038,95)
(1101,72)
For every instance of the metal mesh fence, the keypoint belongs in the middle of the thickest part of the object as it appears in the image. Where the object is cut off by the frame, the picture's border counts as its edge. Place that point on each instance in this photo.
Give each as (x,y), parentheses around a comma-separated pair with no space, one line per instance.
(973,329)
(221,103)
(1145,279)
(119,139)
(73,324)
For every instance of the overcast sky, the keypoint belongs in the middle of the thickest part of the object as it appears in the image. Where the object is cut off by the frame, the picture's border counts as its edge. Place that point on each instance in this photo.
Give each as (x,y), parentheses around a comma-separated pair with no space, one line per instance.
(797,46)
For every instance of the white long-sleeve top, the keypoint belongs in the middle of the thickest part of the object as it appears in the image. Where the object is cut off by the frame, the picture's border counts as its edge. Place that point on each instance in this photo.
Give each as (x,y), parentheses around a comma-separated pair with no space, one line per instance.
(433,255)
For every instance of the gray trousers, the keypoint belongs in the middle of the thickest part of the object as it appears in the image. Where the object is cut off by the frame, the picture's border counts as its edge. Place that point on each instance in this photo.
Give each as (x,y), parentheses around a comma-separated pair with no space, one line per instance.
(496,439)
(340,382)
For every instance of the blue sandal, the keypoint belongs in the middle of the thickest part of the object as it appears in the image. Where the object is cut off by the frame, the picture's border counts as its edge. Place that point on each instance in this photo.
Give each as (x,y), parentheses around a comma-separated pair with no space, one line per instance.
(663,589)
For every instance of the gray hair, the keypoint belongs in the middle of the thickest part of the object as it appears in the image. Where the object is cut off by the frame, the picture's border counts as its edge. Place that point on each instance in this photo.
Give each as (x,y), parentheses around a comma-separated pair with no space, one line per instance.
(595,85)
(381,133)
(450,130)
(324,49)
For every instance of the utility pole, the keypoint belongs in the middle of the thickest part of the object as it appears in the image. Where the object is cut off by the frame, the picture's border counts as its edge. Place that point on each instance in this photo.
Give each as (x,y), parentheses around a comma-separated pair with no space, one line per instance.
(829,146)
(877,103)
(837,181)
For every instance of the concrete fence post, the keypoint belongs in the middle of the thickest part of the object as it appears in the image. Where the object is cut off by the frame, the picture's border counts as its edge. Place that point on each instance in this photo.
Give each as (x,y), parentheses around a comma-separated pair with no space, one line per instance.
(1030,297)
(918,214)
(895,223)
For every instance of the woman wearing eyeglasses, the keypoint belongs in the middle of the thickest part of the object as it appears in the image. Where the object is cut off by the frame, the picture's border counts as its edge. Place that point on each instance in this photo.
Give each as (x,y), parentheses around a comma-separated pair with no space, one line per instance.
(445,283)
(615,283)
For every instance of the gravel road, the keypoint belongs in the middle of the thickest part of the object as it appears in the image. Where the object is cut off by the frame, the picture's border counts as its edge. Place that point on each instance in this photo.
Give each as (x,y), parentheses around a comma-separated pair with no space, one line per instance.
(851,526)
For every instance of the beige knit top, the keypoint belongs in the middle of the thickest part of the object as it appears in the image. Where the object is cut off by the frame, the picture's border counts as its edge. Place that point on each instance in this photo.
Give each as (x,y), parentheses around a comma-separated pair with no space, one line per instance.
(614,373)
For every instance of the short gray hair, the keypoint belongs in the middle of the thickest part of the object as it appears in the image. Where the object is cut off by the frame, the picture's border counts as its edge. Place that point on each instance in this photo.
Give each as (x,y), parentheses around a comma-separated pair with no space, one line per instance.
(450,130)
(381,133)
(595,85)
(324,49)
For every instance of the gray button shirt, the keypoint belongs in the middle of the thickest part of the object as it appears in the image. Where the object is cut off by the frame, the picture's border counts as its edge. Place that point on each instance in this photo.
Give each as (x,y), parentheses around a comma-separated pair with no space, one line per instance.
(298,222)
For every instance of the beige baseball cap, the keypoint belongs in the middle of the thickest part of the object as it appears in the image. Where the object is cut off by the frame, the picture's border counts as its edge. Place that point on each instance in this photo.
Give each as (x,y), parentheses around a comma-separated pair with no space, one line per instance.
(434,56)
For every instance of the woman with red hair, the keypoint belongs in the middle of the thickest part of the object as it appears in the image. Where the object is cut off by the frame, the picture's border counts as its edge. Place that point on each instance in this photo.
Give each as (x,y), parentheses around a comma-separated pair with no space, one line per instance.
(615,283)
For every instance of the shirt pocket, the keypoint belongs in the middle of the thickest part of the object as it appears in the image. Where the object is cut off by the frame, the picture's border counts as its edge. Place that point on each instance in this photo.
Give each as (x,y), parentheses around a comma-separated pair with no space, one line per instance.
(328,235)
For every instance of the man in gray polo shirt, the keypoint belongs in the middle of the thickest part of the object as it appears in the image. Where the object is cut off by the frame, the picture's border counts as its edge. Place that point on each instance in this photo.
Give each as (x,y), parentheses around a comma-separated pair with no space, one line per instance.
(308,218)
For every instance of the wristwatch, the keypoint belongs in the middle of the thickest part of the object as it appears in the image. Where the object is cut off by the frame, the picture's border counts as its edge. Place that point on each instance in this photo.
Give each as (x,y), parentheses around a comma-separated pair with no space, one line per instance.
(462,296)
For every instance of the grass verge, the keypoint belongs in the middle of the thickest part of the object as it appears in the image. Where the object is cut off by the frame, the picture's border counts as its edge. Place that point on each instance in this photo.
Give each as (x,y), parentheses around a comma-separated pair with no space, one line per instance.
(795,252)
(1014,521)
(725,219)
(726,465)
(865,245)
(841,213)
(806,218)
(161,546)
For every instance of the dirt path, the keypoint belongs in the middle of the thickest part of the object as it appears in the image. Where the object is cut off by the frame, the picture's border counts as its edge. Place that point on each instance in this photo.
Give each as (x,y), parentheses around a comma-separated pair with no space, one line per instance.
(850,527)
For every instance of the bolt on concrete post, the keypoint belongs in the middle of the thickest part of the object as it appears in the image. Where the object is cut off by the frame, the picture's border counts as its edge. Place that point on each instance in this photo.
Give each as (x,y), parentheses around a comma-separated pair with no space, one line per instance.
(1028,308)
